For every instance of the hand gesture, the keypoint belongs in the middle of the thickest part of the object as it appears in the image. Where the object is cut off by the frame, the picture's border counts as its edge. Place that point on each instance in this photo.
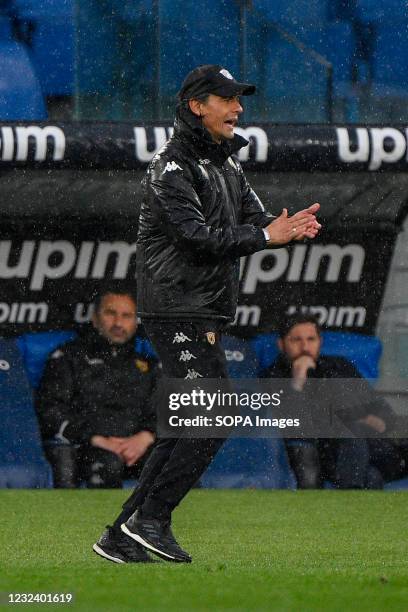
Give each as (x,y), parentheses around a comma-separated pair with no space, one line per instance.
(108,443)
(301,225)
(134,447)
(300,367)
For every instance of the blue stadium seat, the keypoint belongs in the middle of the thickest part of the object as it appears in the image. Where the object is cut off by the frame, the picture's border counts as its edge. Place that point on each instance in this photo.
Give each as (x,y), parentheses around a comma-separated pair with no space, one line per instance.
(248,462)
(293,11)
(390,58)
(129,10)
(397,485)
(244,463)
(293,83)
(22,463)
(266,349)
(20,93)
(187,41)
(52,42)
(382,11)
(335,42)
(6,33)
(43,8)
(35,348)
(96,40)
(313,11)
(241,357)
(342,10)
(117,57)
(364,352)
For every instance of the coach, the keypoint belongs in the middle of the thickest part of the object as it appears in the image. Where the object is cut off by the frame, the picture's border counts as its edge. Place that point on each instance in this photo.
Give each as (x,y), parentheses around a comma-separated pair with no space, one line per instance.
(198,217)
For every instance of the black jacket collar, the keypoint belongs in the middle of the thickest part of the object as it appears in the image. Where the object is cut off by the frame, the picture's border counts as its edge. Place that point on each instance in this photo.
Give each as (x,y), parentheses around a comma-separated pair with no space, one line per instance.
(188,128)
(95,342)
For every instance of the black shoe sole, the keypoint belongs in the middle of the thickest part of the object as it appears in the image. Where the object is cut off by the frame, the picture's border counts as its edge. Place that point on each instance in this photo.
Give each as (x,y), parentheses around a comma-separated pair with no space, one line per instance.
(153,549)
(102,553)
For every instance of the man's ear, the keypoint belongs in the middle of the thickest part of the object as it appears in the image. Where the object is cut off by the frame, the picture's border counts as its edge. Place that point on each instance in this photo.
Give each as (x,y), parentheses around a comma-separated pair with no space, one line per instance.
(280,344)
(195,107)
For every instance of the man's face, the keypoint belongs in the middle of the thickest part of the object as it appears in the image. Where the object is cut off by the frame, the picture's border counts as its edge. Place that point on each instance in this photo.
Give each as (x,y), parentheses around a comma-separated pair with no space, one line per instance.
(302,339)
(219,115)
(116,318)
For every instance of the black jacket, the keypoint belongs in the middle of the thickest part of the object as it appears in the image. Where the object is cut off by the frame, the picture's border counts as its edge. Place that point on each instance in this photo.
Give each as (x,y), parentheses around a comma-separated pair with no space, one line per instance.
(92,387)
(198,216)
(331,368)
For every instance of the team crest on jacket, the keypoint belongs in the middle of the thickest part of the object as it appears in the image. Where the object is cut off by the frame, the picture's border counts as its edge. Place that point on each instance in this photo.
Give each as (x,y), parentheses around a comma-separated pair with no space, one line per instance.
(142,365)
(210,337)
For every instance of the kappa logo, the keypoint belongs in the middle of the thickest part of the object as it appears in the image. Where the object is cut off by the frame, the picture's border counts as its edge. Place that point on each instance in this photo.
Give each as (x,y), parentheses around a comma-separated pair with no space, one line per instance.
(186,356)
(180,337)
(193,374)
(93,361)
(171,166)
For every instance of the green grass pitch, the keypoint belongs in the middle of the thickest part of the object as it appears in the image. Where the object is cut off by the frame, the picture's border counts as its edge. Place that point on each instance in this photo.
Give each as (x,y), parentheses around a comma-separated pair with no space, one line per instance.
(252,550)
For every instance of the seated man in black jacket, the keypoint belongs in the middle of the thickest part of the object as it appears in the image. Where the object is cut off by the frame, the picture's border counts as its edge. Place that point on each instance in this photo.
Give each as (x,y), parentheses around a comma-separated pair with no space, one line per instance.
(358,462)
(94,402)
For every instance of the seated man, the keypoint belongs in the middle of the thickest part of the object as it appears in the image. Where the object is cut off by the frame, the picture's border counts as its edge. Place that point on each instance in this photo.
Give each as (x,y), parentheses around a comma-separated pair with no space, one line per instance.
(94,402)
(356,463)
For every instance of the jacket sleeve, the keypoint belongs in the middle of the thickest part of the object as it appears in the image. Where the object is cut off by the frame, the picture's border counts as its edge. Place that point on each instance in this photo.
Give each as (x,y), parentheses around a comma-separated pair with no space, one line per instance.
(253,211)
(366,400)
(57,417)
(177,208)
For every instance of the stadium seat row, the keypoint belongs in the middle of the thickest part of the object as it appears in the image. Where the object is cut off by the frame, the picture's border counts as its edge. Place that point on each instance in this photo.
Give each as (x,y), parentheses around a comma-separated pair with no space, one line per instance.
(240,463)
(118,51)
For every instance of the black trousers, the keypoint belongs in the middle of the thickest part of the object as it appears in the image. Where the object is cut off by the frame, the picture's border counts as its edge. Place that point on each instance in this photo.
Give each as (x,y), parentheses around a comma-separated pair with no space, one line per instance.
(354,463)
(97,468)
(187,350)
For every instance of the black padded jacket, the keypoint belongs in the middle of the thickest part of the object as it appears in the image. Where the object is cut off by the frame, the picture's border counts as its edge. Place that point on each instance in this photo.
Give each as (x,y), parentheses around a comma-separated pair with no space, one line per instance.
(92,387)
(199,215)
(332,367)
